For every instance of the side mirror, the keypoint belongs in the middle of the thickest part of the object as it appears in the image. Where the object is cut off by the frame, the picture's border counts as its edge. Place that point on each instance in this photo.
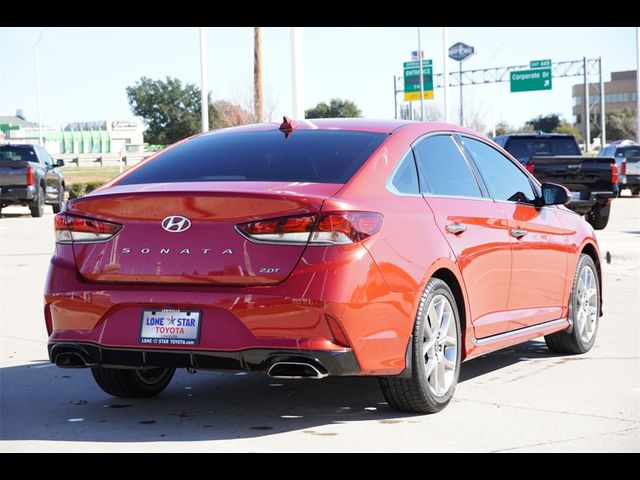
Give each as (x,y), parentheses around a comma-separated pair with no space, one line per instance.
(60,163)
(554,194)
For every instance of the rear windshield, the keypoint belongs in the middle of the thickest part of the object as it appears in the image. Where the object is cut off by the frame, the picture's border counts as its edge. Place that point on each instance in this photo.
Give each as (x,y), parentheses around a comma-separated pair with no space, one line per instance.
(17,153)
(627,152)
(524,148)
(324,156)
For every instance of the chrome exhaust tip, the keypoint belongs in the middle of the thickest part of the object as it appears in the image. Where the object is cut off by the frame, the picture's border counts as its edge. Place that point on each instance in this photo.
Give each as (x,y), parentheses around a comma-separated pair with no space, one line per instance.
(296,370)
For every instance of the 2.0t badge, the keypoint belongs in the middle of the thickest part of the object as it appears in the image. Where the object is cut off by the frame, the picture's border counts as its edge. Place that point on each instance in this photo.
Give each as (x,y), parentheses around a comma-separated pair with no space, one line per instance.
(176,224)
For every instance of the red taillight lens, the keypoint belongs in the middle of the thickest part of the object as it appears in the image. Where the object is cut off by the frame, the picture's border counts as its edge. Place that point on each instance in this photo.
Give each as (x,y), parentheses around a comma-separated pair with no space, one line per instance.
(614,174)
(530,167)
(71,229)
(30,176)
(333,228)
(623,168)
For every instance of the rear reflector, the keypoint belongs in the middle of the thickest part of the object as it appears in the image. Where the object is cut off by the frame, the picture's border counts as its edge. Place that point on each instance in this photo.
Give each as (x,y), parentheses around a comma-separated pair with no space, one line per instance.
(332,228)
(531,167)
(614,174)
(72,229)
(624,167)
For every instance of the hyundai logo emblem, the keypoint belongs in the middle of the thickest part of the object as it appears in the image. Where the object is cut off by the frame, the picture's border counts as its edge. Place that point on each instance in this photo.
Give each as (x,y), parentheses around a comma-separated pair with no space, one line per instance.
(176,224)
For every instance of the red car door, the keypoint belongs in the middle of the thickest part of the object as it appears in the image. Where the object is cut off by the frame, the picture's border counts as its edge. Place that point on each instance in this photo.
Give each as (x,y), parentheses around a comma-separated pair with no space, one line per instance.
(474,227)
(538,243)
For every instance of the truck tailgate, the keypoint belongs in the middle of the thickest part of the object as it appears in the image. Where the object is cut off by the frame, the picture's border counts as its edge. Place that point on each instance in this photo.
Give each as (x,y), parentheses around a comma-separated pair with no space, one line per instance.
(575,172)
(13,173)
(632,166)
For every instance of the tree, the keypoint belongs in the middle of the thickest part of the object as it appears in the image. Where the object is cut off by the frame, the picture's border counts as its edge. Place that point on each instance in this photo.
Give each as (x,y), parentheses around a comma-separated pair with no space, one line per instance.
(566,127)
(621,125)
(337,108)
(545,123)
(503,128)
(230,115)
(170,110)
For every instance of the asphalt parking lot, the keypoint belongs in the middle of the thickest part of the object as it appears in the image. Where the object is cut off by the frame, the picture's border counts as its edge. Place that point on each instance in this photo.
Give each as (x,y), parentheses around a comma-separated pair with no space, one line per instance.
(521,399)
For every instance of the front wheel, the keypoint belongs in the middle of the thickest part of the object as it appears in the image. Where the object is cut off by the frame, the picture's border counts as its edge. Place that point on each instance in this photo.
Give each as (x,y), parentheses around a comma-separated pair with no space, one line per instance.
(132,383)
(435,358)
(598,217)
(584,311)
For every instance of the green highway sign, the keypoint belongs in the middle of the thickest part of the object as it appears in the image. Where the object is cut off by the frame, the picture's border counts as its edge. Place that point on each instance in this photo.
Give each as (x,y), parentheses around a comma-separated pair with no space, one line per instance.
(539,63)
(530,80)
(412,80)
(5,127)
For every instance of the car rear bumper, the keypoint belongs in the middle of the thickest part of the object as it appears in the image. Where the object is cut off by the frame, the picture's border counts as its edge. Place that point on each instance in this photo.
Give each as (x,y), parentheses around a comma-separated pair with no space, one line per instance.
(10,195)
(324,310)
(82,355)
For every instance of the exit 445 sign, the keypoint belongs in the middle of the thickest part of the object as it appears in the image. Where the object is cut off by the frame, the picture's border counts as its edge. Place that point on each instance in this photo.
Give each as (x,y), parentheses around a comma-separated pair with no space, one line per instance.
(531,80)
(412,80)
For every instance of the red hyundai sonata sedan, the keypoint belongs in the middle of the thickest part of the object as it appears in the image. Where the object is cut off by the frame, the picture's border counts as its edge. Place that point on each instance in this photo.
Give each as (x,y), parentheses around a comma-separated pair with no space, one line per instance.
(313,248)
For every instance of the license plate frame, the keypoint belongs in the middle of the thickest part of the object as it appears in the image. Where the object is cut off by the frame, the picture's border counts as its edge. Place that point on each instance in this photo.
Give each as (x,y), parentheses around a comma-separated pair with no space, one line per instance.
(170,326)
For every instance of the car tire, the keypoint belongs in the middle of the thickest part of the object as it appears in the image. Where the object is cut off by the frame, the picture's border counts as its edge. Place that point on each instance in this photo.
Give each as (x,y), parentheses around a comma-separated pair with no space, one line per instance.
(57,207)
(37,206)
(597,220)
(635,192)
(435,362)
(584,312)
(132,383)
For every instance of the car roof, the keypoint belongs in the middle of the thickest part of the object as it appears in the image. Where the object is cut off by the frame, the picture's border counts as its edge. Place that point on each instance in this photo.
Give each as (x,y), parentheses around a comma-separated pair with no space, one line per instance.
(537,135)
(349,124)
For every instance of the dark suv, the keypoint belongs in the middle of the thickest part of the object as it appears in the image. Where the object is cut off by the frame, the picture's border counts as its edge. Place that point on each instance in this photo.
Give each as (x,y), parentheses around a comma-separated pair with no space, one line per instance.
(30,177)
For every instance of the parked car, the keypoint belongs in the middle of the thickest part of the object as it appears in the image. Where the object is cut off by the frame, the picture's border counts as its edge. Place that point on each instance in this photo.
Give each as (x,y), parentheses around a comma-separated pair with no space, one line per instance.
(328,247)
(556,157)
(30,177)
(627,157)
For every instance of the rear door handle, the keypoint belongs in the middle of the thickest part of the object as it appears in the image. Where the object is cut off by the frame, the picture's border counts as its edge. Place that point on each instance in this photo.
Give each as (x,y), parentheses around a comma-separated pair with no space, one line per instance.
(456,228)
(515,232)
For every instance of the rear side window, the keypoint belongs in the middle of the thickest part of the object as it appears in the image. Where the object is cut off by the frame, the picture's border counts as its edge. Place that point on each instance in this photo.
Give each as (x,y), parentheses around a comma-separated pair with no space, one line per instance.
(17,153)
(323,156)
(503,178)
(628,152)
(406,178)
(442,170)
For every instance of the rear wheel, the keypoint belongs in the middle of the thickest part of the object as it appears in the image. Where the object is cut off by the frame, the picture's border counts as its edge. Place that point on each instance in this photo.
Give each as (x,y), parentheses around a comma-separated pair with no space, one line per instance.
(597,218)
(37,206)
(132,383)
(436,355)
(584,311)
(635,191)
(57,207)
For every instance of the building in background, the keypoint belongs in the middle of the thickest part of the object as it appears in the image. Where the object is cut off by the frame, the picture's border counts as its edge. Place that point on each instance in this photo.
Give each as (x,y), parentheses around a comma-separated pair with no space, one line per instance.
(619,93)
(115,137)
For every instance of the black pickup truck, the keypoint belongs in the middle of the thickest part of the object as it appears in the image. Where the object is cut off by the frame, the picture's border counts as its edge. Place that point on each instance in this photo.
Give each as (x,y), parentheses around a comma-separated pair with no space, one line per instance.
(556,157)
(29,176)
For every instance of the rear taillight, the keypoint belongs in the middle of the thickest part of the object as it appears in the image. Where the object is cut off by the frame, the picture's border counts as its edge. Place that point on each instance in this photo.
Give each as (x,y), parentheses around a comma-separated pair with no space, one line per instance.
(30,176)
(614,174)
(72,229)
(623,168)
(530,167)
(331,228)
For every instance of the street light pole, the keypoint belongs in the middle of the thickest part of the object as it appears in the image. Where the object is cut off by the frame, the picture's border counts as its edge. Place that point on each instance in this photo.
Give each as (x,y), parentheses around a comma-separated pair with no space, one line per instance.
(493,94)
(37,53)
(204,94)
(295,37)
(461,109)
(421,78)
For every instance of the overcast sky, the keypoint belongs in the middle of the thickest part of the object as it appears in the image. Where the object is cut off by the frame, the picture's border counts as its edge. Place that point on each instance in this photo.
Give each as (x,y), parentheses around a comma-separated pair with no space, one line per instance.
(84,71)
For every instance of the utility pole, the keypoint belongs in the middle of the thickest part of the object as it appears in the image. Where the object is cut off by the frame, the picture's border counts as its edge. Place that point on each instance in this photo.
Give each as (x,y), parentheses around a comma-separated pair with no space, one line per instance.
(461,108)
(297,86)
(421,78)
(603,132)
(257,74)
(37,53)
(587,126)
(204,94)
(445,70)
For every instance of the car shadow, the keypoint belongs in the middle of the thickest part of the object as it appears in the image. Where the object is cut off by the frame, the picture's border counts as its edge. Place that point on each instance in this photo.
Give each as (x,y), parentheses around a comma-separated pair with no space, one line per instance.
(39,401)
